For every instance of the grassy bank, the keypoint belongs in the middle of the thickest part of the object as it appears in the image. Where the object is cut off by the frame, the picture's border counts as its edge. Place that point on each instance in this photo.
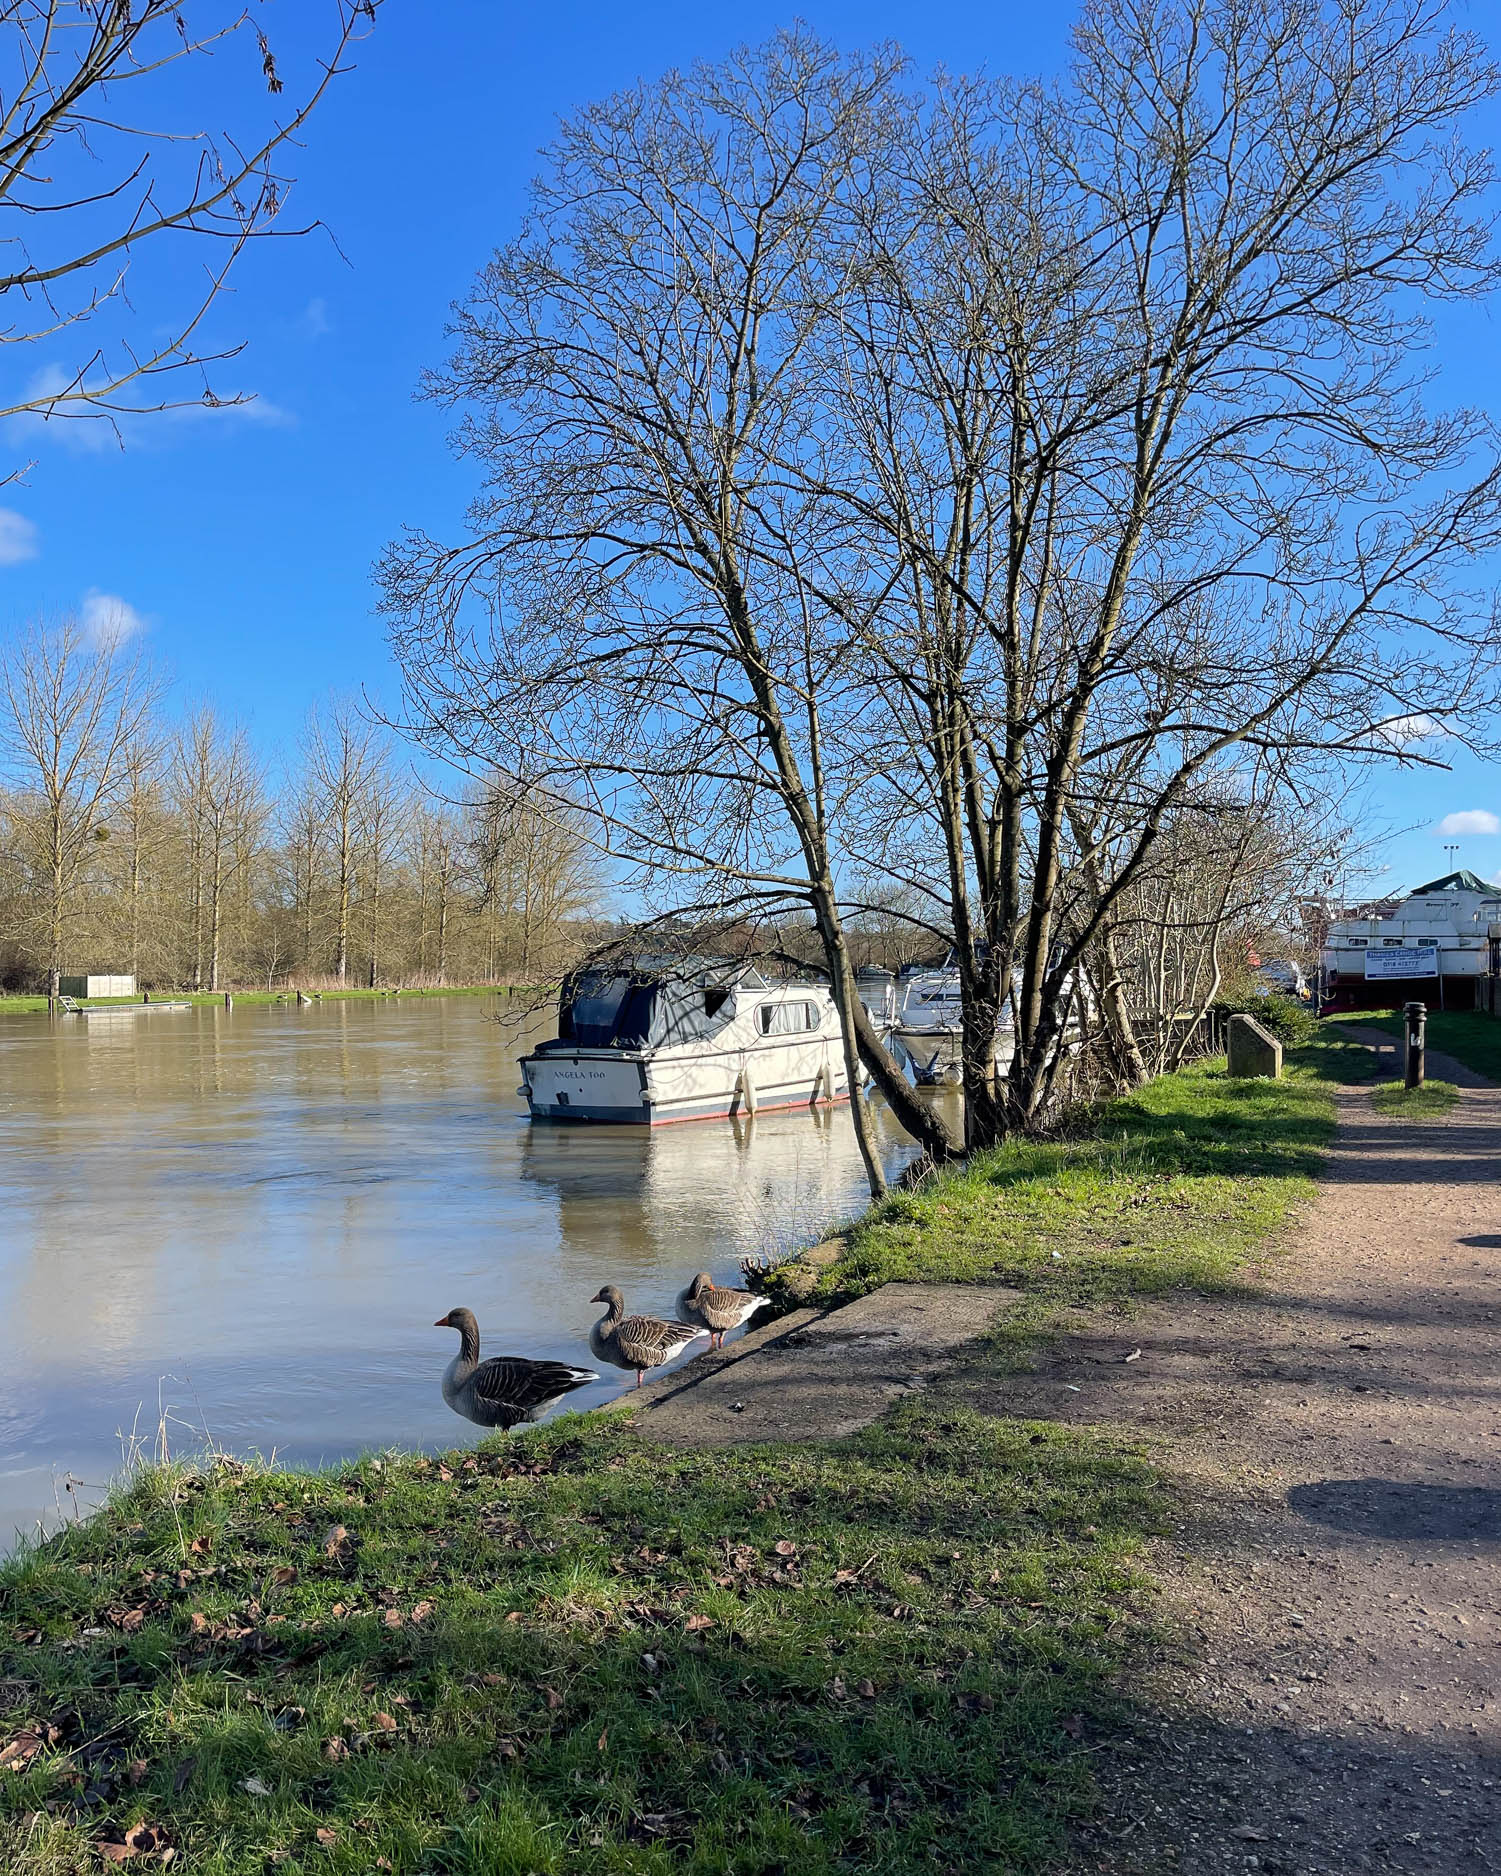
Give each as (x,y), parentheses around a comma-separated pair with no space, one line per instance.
(577,1652)
(581,1653)
(1175,1186)
(1468,1035)
(29,1006)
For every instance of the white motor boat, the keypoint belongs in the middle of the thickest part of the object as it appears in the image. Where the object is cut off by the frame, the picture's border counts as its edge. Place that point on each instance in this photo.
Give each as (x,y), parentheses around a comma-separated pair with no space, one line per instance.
(647,1046)
(930,1026)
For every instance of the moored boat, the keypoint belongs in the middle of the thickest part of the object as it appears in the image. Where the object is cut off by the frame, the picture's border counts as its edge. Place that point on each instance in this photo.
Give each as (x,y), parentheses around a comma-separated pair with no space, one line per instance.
(646,1046)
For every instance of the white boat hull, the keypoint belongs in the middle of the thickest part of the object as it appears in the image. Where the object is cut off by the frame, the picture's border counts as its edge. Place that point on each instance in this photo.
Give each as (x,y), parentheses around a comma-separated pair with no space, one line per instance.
(638,1089)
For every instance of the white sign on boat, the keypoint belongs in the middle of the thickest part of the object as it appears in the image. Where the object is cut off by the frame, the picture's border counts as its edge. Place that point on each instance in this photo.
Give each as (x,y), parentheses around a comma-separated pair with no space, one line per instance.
(1402,961)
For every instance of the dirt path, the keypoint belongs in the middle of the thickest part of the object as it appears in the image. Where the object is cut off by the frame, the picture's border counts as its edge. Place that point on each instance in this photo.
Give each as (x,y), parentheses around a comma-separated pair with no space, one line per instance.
(1339,1568)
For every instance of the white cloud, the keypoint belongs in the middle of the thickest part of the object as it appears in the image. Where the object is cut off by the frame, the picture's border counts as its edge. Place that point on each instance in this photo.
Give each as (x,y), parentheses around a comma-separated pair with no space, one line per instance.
(18,538)
(1403,732)
(108,620)
(72,421)
(1470,821)
(315,320)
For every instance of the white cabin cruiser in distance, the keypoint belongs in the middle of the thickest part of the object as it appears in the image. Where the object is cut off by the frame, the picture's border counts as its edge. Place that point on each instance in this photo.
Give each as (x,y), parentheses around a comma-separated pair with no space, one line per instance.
(645,1046)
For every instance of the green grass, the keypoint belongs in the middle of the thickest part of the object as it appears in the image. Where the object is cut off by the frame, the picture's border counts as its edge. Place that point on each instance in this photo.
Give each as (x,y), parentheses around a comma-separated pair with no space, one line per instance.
(1429,1102)
(1176,1186)
(1469,1036)
(583,1653)
(31,1006)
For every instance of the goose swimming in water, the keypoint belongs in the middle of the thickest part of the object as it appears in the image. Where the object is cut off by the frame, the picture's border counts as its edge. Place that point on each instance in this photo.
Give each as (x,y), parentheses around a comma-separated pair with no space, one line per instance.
(638,1342)
(718,1310)
(508,1389)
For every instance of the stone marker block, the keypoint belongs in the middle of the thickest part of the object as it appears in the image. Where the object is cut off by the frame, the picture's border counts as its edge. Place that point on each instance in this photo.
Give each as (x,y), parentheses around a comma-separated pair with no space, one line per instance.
(1253,1050)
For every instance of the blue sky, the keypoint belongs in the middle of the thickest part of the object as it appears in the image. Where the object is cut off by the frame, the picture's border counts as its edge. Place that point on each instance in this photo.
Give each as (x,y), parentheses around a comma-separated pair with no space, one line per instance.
(245,540)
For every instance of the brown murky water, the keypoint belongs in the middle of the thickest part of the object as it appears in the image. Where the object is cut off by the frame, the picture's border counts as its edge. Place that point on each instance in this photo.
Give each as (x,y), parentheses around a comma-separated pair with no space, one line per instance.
(242,1224)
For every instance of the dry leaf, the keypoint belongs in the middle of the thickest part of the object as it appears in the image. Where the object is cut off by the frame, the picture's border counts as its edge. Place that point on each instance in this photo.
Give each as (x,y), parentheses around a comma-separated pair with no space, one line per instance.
(866,1690)
(335,1541)
(335,1749)
(257,1787)
(286,1574)
(201,1546)
(603,1740)
(385,1722)
(696,1622)
(553,1698)
(421,1611)
(786,1547)
(138,1770)
(1074,1726)
(326,1836)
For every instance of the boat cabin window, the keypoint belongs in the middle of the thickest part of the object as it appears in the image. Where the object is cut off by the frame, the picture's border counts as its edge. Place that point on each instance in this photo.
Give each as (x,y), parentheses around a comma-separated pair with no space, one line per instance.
(714,1001)
(787,1019)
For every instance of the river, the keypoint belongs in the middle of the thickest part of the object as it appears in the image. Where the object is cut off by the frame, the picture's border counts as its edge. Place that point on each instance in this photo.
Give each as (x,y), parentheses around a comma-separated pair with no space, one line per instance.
(240,1225)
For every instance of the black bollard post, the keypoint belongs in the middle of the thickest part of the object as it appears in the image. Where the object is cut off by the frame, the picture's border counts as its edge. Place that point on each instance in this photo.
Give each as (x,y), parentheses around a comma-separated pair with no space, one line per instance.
(1417,1022)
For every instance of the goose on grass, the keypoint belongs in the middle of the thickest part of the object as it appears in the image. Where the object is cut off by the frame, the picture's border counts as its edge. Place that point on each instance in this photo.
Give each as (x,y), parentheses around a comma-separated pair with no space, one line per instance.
(638,1342)
(718,1310)
(508,1389)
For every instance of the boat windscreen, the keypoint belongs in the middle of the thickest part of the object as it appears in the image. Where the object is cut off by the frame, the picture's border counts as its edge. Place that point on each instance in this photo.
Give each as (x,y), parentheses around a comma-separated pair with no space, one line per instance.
(598,1011)
(591,1008)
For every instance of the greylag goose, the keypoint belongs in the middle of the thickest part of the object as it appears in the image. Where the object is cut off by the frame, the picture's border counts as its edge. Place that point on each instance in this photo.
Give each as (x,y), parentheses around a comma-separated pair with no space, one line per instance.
(507,1389)
(718,1310)
(638,1342)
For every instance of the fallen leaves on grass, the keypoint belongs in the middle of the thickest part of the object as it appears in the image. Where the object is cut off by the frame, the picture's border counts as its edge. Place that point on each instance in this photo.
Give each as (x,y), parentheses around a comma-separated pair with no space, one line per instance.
(141,1840)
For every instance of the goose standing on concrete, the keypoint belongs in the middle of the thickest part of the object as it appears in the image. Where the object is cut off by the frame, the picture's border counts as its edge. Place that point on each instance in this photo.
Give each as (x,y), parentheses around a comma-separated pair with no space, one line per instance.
(718,1310)
(508,1389)
(638,1342)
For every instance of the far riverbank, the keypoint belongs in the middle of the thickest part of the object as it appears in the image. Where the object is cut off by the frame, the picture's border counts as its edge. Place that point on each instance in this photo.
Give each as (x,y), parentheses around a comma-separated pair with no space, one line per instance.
(37,1005)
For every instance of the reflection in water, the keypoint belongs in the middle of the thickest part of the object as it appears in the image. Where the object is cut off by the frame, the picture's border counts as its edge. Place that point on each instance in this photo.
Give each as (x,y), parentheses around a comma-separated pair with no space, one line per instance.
(250,1218)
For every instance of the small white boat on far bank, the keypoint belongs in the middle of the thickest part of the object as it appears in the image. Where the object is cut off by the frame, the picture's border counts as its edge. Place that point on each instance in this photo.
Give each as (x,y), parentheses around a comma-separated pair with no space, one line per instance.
(646,1046)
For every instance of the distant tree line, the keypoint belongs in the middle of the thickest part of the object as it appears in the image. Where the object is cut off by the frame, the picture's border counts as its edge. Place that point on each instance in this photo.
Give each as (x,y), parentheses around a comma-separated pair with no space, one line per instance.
(179,851)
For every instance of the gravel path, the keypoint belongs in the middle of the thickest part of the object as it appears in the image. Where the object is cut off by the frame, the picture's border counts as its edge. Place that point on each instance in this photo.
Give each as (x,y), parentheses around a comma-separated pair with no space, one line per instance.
(1338,1436)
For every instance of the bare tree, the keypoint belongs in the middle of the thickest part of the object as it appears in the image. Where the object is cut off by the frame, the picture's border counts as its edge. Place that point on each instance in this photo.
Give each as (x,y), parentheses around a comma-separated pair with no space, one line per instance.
(94,166)
(437,849)
(338,749)
(637,366)
(385,807)
(1123,438)
(73,707)
(219,788)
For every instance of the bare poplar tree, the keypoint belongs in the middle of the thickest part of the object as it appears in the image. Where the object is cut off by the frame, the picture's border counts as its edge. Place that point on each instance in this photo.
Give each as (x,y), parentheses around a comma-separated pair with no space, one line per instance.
(437,851)
(337,747)
(73,705)
(385,808)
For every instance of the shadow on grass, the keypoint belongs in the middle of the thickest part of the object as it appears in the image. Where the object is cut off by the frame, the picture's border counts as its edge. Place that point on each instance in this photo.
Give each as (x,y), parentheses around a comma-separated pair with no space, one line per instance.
(878,1655)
